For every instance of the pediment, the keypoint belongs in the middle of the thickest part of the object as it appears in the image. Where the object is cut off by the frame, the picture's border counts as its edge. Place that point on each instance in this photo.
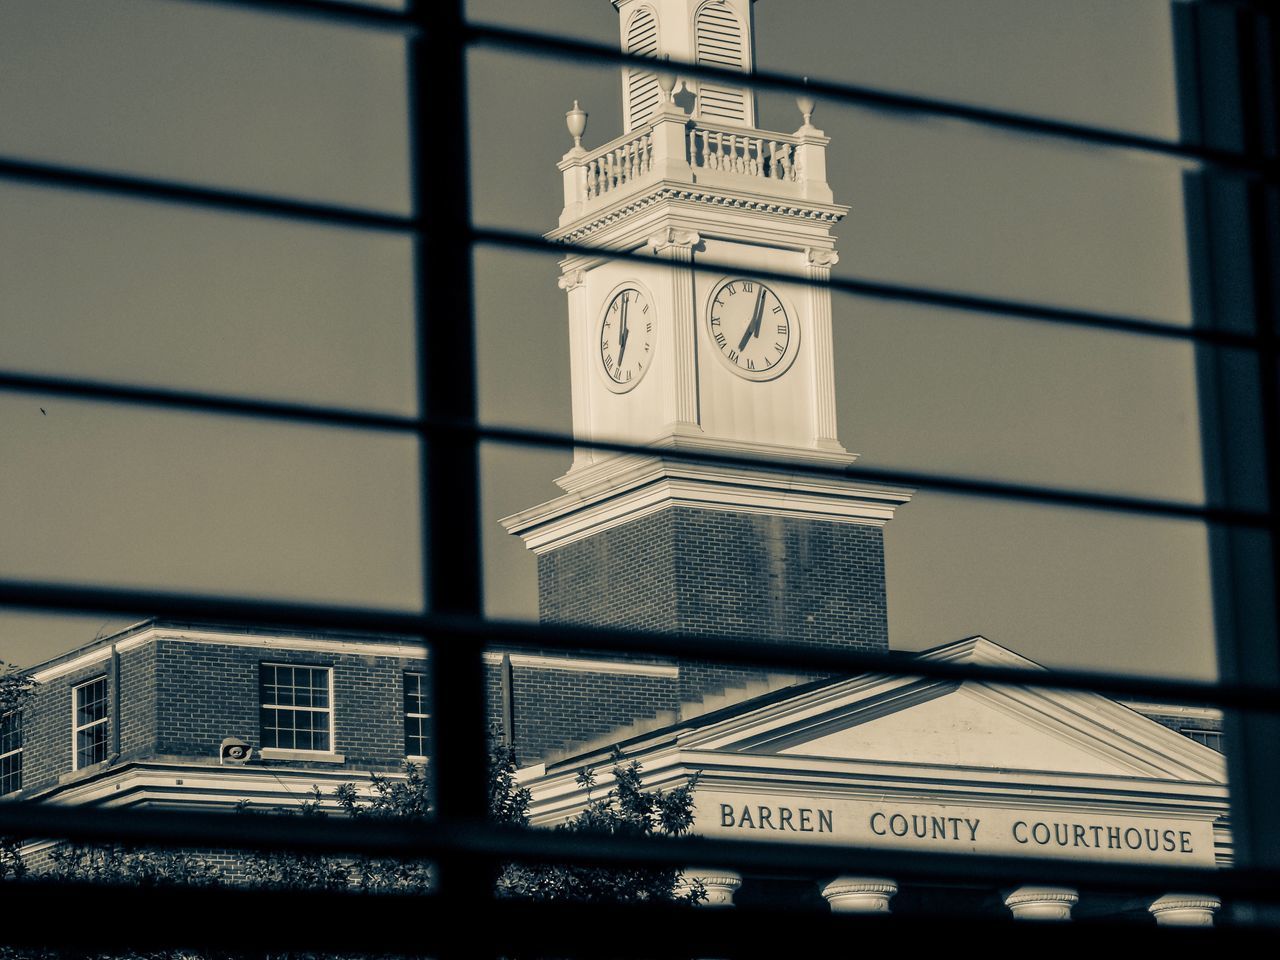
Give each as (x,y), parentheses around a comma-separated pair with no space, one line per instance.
(966,725)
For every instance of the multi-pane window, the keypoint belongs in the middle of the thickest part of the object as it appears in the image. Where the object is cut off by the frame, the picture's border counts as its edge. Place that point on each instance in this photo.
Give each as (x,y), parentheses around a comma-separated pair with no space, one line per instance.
(1210,738)
(296,707)
(417,722)
(89,722)
(10,752)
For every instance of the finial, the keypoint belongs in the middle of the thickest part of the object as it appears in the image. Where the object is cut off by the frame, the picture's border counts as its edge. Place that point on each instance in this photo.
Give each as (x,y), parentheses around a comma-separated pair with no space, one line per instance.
(806,105)
(576,121)
(666,80)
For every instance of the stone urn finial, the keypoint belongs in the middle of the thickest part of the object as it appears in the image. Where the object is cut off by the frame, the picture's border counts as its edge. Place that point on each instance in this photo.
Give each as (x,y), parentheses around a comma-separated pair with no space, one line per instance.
(666,80)
(576,121)
(806,105)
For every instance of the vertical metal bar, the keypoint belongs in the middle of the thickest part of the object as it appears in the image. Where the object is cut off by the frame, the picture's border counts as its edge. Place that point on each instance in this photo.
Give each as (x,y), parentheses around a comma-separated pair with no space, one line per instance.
(1228,83)
(450,463)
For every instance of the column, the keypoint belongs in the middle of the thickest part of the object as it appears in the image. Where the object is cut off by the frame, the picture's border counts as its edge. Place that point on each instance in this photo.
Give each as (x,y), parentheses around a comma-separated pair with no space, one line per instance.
(720,885)
(1041,903)
(818,270)
(859,894)
(573,282)
(1185,910)
(677,246)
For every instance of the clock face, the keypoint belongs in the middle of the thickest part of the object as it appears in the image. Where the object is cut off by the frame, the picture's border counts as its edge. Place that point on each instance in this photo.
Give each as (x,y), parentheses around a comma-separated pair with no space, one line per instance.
(627,331)
(751,328)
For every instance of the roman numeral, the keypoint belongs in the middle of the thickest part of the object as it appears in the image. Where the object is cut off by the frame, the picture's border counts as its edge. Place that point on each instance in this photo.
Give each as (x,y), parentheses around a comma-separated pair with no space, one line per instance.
(779,347)
(746,285)
(628,374)
(715,321)
(778,308)
(733,355)
(751,364)
(729,289)
(645,308)
(720,339)
(648,327)
(782,329)
(608,362)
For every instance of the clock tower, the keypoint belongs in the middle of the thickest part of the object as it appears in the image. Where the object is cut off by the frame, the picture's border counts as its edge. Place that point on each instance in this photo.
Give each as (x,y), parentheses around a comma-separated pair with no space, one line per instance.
(698,341)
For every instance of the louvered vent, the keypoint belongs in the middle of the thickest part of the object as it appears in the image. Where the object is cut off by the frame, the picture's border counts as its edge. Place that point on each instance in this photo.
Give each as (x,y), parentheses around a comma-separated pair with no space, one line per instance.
(719,43)
(642,86)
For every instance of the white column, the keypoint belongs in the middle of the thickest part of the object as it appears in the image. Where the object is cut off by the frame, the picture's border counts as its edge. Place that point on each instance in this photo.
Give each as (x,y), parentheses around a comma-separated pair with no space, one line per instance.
(859,894)
(820,262)
(1041,903)
(677,247)
(720,885)
(573,282)
(1185,910)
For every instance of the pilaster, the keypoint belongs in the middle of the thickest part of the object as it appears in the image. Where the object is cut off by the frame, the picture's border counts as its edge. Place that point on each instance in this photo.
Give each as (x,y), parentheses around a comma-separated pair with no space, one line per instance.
(677,246)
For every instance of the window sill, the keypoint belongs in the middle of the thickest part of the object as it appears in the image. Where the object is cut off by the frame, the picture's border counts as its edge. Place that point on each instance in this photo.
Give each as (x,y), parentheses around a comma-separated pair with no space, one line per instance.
(314,756)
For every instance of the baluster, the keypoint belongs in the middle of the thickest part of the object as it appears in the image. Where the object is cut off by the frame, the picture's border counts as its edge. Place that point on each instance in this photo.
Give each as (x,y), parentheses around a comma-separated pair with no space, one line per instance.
(634,148)
(719,152)
(693,148)
(740,153)
(757,162)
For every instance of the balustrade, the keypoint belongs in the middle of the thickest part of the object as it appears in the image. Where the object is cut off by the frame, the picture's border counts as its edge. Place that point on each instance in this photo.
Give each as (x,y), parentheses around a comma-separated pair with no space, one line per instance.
(618,165)
(743,153)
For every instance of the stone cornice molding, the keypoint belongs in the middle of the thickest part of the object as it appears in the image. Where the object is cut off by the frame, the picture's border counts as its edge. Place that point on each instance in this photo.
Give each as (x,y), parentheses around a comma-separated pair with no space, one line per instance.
(821,213)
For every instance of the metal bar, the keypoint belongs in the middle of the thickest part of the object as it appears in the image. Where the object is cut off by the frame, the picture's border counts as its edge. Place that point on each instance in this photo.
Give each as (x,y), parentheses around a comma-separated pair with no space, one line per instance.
(1229,92)
(450,461)
(214,198)
(240,921)
(490,844)
(747,650)
(873,289)
(286,412)
(1235,161)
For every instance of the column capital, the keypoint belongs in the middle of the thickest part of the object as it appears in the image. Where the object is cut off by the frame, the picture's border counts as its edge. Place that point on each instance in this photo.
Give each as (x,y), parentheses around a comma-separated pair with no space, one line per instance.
(570,280)
(1041,903)
(1185,909)
(859,894)
(822,257)
(720,885)
(673,237)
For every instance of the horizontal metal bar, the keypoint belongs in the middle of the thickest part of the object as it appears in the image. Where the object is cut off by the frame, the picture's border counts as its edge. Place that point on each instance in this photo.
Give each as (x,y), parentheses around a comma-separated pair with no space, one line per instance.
(1242,162)
(483,840)
(345,12)
(874,289)
(214,198)
(283,411)
(133,918)
(196,401)
(725,648)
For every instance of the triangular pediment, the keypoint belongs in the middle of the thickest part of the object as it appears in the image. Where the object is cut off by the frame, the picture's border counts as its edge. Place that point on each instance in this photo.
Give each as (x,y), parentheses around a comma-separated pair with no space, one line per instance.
(963,725)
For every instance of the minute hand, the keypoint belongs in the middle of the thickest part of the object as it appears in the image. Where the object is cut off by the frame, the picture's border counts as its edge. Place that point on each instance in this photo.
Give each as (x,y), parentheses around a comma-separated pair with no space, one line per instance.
(753,328)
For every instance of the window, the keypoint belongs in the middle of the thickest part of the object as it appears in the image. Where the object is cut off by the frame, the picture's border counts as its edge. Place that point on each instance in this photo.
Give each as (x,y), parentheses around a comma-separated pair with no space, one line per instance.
(1210,738)
(296,708)
(10,752)
(89,723)
(417,722)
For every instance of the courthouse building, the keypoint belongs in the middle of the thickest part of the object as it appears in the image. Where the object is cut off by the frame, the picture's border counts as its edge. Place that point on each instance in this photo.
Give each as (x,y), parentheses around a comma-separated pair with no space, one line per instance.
(700,343)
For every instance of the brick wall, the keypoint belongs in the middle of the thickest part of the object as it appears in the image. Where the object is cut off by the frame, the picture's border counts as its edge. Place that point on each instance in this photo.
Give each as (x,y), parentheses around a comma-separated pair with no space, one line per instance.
(697,571)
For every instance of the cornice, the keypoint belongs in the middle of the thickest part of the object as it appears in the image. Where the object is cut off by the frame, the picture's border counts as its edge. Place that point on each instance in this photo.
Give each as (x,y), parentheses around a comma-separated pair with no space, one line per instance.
(772,206)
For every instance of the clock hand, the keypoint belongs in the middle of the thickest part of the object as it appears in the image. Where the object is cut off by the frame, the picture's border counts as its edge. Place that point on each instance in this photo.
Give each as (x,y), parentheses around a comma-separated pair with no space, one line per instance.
(753,328)
(623,333)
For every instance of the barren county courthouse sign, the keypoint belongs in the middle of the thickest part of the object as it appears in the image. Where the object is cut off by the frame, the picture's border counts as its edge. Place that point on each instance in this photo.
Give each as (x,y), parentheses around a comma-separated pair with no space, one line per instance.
(978,829)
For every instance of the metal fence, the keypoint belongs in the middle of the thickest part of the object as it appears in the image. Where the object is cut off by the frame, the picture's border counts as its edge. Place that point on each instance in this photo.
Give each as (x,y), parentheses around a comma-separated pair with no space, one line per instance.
(1228,71)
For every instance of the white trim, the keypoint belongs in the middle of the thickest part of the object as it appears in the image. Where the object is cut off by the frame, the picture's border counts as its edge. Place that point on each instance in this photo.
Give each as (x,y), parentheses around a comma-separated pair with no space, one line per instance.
(16,751)
(316,756)
(401,651)
(636,486)
(586,665)
(415,714)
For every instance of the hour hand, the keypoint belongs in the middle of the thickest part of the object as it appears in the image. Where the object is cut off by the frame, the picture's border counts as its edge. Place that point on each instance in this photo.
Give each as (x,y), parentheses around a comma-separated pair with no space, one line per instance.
(623,333)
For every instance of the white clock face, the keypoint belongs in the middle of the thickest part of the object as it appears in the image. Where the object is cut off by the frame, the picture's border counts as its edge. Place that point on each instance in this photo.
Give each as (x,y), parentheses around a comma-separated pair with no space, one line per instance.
(626,338)
(752,329)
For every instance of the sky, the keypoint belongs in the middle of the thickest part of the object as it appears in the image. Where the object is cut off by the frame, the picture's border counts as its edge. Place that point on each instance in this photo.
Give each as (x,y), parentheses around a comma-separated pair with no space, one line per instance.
(158,294)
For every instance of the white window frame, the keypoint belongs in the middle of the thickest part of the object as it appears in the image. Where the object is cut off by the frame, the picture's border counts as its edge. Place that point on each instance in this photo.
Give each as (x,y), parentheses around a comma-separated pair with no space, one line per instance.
(1196,733)
(413,757)
(16,751)
(287,753)
(76,729)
